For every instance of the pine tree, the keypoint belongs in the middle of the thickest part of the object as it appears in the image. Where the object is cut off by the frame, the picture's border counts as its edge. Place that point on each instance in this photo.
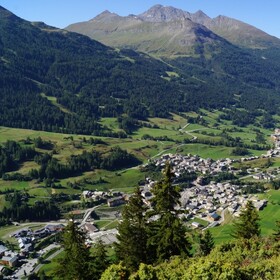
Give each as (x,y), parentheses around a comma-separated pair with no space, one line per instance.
(206,243)
(167,235)
(132,237)
(247,225)
(100,259)
(75,264)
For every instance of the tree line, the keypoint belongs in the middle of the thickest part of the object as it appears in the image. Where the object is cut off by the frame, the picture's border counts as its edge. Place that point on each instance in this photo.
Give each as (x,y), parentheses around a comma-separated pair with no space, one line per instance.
(12,154)
(18,209)
(154,244)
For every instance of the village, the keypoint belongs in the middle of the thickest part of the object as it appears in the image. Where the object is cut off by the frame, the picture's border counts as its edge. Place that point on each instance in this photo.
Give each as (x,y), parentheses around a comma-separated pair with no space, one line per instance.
(203,204)
(205,201)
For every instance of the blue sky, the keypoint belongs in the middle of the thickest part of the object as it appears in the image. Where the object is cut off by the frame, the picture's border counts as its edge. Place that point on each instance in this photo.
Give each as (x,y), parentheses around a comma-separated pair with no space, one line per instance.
(60,13)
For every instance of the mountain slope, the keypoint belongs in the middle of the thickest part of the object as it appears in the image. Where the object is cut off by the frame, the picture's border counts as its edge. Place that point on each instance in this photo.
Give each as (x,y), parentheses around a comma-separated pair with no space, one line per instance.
(165,30)
(240,33)
(56,80)
(186,42)
(160,32)
(85,77)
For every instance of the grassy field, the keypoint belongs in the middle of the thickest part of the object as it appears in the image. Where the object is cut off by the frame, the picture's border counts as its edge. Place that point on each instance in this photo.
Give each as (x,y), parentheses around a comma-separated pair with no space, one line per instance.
(48,268)
(6,231)
(176,129)
(268,216)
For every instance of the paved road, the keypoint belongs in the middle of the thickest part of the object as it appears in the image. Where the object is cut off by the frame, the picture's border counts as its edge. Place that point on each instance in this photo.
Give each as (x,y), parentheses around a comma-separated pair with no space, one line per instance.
(87,214)
(26,268)
(39,266)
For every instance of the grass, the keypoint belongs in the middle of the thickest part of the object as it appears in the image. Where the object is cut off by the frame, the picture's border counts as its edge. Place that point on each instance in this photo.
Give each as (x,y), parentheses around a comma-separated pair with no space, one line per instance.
(48,268)
(53,100)
(111,123)
(200,221)
(126,180)
(2,202)
(15,185)
(6,231)
(222,234)
(106,224)
(205,151)
(268,216)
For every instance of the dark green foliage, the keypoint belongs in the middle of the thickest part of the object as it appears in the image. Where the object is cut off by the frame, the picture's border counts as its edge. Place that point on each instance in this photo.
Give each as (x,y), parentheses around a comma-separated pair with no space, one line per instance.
(88,80)
(206,243)
(276,184)
(128,124)
(276,233)
(167,235)
(100,259)
(19,210)
(247,224)
(118,159)
(51,168)
(12,154)
(132,238)
(75,263)
(259,260)
(42,144)
(239,151)
(267,121)
(260,138)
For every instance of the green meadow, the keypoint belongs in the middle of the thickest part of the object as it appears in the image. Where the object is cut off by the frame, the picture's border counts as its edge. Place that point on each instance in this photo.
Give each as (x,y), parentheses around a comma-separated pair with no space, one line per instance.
(268,216)
(170,136)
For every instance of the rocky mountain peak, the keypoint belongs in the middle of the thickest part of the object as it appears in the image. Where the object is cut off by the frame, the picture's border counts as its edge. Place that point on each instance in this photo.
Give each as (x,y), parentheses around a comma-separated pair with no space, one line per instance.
(159,13)
(105,16)
(200,17)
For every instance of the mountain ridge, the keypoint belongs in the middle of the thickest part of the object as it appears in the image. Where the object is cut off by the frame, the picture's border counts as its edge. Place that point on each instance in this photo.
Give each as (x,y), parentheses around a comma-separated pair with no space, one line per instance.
(61,81)
(235,31)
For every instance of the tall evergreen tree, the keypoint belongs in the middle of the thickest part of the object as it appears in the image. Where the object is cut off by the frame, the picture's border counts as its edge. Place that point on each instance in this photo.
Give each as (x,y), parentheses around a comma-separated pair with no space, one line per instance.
(132,237)
(247,225)
(206,243)
(75,264)
(100,259)
(167,234)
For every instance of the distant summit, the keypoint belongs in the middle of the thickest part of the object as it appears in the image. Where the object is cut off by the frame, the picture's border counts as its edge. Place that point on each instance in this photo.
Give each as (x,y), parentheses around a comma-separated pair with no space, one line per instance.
(162,30)
(159,13)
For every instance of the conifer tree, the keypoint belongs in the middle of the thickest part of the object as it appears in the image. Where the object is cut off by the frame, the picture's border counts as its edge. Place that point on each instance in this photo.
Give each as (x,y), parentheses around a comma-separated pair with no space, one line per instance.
(75,264)
(132,237)
(167,235)
(100,259)
(247,225)
(206,243)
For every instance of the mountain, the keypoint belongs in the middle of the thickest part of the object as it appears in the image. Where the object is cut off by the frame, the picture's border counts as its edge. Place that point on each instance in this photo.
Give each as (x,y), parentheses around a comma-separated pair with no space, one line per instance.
(56,80)
(52,79)
(167,31)
(240,33)
(159,31)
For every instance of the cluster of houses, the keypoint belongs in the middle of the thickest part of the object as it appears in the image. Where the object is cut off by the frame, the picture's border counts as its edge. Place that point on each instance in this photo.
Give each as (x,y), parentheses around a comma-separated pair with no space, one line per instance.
(26,239)
(276,139)
(182,163)
(275,152)
(201,201)
(113,198)
(7,258)
(207,201)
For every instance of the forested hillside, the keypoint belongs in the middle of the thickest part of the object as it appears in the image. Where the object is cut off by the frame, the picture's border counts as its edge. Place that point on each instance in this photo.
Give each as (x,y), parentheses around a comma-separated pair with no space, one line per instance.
(60,81)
